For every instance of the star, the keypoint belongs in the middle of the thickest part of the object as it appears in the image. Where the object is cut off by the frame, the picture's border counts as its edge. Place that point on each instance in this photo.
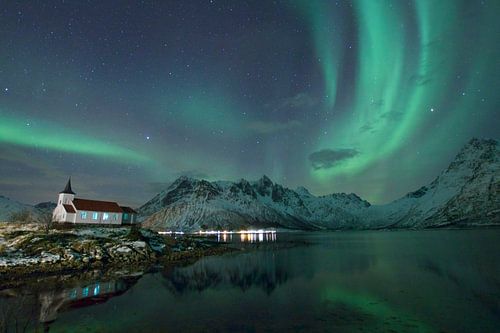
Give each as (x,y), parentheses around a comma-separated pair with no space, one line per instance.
(276,81)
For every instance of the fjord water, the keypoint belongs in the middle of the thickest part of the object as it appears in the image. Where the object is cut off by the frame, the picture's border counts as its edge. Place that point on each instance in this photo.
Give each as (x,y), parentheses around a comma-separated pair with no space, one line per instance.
(404,281)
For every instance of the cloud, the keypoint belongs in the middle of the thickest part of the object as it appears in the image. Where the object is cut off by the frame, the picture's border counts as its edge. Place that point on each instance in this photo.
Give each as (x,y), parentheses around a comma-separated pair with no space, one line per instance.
(328,158)
(366,127)
(392,115)
(268,127)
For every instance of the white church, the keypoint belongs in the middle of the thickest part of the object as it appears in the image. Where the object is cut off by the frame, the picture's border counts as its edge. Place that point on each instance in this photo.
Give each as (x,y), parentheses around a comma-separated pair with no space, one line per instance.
(83,211)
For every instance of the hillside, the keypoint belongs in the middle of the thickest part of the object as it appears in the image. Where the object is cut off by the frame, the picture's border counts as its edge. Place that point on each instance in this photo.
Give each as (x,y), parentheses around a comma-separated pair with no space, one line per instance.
(465,194)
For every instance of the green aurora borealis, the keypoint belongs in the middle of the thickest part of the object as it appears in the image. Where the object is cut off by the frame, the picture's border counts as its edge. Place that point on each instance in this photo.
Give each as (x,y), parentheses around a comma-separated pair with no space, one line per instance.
(371,97)
(57,138)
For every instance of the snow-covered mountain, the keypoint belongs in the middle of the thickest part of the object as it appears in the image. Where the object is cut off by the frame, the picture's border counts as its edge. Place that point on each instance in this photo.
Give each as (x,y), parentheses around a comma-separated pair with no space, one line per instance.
(466,193)
(191,204)
(9,207)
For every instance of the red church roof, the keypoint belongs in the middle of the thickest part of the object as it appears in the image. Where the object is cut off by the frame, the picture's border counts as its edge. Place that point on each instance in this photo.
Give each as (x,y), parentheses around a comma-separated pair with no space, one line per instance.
(97,206)
(69,208)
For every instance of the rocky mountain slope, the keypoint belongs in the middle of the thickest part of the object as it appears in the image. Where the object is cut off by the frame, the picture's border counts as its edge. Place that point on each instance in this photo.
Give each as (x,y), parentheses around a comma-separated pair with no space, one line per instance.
(464,194)
(191,205)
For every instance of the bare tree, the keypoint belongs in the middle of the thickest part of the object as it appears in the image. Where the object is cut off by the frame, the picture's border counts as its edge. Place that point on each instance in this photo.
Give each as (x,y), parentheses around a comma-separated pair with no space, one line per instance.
(47,220)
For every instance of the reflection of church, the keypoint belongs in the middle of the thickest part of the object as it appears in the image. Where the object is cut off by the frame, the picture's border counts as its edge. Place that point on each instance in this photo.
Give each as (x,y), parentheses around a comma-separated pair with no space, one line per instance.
(56,301)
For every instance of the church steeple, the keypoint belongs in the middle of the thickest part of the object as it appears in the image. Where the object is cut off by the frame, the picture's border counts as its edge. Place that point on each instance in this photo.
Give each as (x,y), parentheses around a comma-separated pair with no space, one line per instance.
(67,189)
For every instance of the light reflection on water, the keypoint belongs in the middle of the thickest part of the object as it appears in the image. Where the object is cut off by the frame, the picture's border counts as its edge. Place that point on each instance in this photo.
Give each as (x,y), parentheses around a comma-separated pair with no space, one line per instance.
(314,282)
(246,237)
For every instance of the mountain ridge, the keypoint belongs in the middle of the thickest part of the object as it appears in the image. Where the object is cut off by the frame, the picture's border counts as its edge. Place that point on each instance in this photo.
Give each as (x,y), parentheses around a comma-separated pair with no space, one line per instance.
(9,207)
(464,194)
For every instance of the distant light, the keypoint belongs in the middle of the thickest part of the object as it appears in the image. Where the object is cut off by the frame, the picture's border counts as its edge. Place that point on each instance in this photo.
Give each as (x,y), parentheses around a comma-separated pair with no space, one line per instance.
(432,109)
(6,89)
(147,138)
(171,232)
(219,232)
(224,232)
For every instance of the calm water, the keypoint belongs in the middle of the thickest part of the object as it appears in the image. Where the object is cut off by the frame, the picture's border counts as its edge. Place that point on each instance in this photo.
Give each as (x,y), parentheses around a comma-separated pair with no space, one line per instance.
(425,281)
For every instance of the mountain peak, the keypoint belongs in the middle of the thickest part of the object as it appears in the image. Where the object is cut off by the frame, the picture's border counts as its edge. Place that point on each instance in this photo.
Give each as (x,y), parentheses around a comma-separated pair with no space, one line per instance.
(301,190)
(476,145)
(264,185)
(481,142)
(265,180)
(180,180)
(183,178)
(475,152)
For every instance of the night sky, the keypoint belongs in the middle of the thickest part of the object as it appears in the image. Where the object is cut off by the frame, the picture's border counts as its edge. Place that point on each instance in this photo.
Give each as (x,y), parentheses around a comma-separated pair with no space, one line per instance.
(372,97)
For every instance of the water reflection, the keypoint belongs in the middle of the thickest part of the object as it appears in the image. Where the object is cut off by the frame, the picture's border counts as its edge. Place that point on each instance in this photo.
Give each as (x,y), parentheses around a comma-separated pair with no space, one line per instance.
(263,270)
(464,279)
(316,282)
(25,307)
(248,237)
(54,301)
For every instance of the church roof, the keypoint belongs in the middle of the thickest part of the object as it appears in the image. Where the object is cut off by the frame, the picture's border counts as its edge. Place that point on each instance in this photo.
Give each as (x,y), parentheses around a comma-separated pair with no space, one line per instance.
(97,206)
(69,208)
(68,189)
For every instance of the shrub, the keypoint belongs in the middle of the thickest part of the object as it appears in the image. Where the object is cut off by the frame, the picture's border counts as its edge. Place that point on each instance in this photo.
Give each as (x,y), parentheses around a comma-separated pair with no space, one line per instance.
(23,216)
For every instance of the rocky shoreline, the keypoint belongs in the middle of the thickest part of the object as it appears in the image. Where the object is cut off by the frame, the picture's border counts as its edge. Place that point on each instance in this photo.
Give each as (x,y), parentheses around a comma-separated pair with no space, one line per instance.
(29,250)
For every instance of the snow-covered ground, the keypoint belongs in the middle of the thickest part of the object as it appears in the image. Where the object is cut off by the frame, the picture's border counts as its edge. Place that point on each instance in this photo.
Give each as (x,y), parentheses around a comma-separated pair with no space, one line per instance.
(30,246)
